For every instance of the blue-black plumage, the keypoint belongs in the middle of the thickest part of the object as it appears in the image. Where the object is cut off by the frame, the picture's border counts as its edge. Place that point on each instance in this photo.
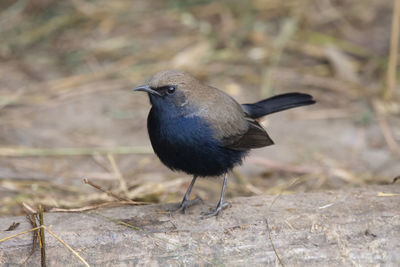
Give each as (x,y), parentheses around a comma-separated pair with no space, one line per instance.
(203,131)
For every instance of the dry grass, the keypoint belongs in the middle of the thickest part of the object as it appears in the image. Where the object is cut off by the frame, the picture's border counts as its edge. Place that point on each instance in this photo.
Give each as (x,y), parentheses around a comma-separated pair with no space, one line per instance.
(68,64)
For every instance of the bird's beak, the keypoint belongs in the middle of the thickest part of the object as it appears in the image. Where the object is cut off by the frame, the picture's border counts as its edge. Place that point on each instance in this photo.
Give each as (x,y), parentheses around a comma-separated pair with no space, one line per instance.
(147,89)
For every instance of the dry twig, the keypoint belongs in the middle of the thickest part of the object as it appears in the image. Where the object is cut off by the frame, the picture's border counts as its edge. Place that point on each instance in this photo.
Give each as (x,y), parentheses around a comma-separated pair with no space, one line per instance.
(111,194)
(42,238)
(93,207)
(394,46)
(122,183)
(78,151)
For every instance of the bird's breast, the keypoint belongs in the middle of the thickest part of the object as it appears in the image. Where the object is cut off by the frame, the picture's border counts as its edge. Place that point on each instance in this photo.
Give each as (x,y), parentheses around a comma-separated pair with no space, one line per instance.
(188,143)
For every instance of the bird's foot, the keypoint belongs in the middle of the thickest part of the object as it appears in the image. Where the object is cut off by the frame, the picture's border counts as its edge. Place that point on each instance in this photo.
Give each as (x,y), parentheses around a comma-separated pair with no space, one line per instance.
(186,204)
(217,211)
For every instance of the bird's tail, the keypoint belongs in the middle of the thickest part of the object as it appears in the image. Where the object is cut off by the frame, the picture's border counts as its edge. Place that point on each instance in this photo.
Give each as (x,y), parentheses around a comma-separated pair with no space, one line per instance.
(277,103)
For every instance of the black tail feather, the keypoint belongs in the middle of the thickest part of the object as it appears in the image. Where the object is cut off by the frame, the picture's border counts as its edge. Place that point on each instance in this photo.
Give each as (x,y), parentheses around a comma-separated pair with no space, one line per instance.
(277,103)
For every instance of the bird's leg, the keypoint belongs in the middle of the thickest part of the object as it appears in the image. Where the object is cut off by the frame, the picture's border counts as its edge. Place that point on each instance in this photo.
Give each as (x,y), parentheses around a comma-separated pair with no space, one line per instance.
(221,204)
(186,203)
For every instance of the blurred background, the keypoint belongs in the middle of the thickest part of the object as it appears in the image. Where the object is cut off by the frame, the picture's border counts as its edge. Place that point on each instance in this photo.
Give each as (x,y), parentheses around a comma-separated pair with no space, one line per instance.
(67,111)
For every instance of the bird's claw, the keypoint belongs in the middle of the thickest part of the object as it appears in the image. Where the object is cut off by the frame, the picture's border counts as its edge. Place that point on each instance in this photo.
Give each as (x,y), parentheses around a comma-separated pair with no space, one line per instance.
(216,212)
(186,204)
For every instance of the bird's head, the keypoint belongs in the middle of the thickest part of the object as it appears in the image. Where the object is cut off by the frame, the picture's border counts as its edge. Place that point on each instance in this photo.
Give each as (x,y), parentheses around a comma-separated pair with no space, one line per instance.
(170,89)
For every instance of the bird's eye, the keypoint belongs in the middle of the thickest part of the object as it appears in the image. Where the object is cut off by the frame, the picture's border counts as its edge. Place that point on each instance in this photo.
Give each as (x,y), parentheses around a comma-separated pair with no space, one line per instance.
(171,89)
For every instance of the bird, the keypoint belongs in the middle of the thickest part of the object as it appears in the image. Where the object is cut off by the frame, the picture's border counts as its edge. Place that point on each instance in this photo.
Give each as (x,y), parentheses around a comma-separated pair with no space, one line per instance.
(202,131)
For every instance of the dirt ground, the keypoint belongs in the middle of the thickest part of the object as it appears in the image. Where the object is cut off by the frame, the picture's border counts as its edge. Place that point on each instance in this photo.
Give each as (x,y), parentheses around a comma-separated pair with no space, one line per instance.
(67,69)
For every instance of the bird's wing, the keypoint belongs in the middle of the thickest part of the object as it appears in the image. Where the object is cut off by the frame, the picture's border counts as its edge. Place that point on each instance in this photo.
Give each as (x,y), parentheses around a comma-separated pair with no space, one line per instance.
(230,124)
(254,137)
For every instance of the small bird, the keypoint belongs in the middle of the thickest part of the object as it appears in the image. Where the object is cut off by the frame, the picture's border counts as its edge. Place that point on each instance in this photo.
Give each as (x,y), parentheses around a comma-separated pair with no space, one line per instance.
(203,131)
